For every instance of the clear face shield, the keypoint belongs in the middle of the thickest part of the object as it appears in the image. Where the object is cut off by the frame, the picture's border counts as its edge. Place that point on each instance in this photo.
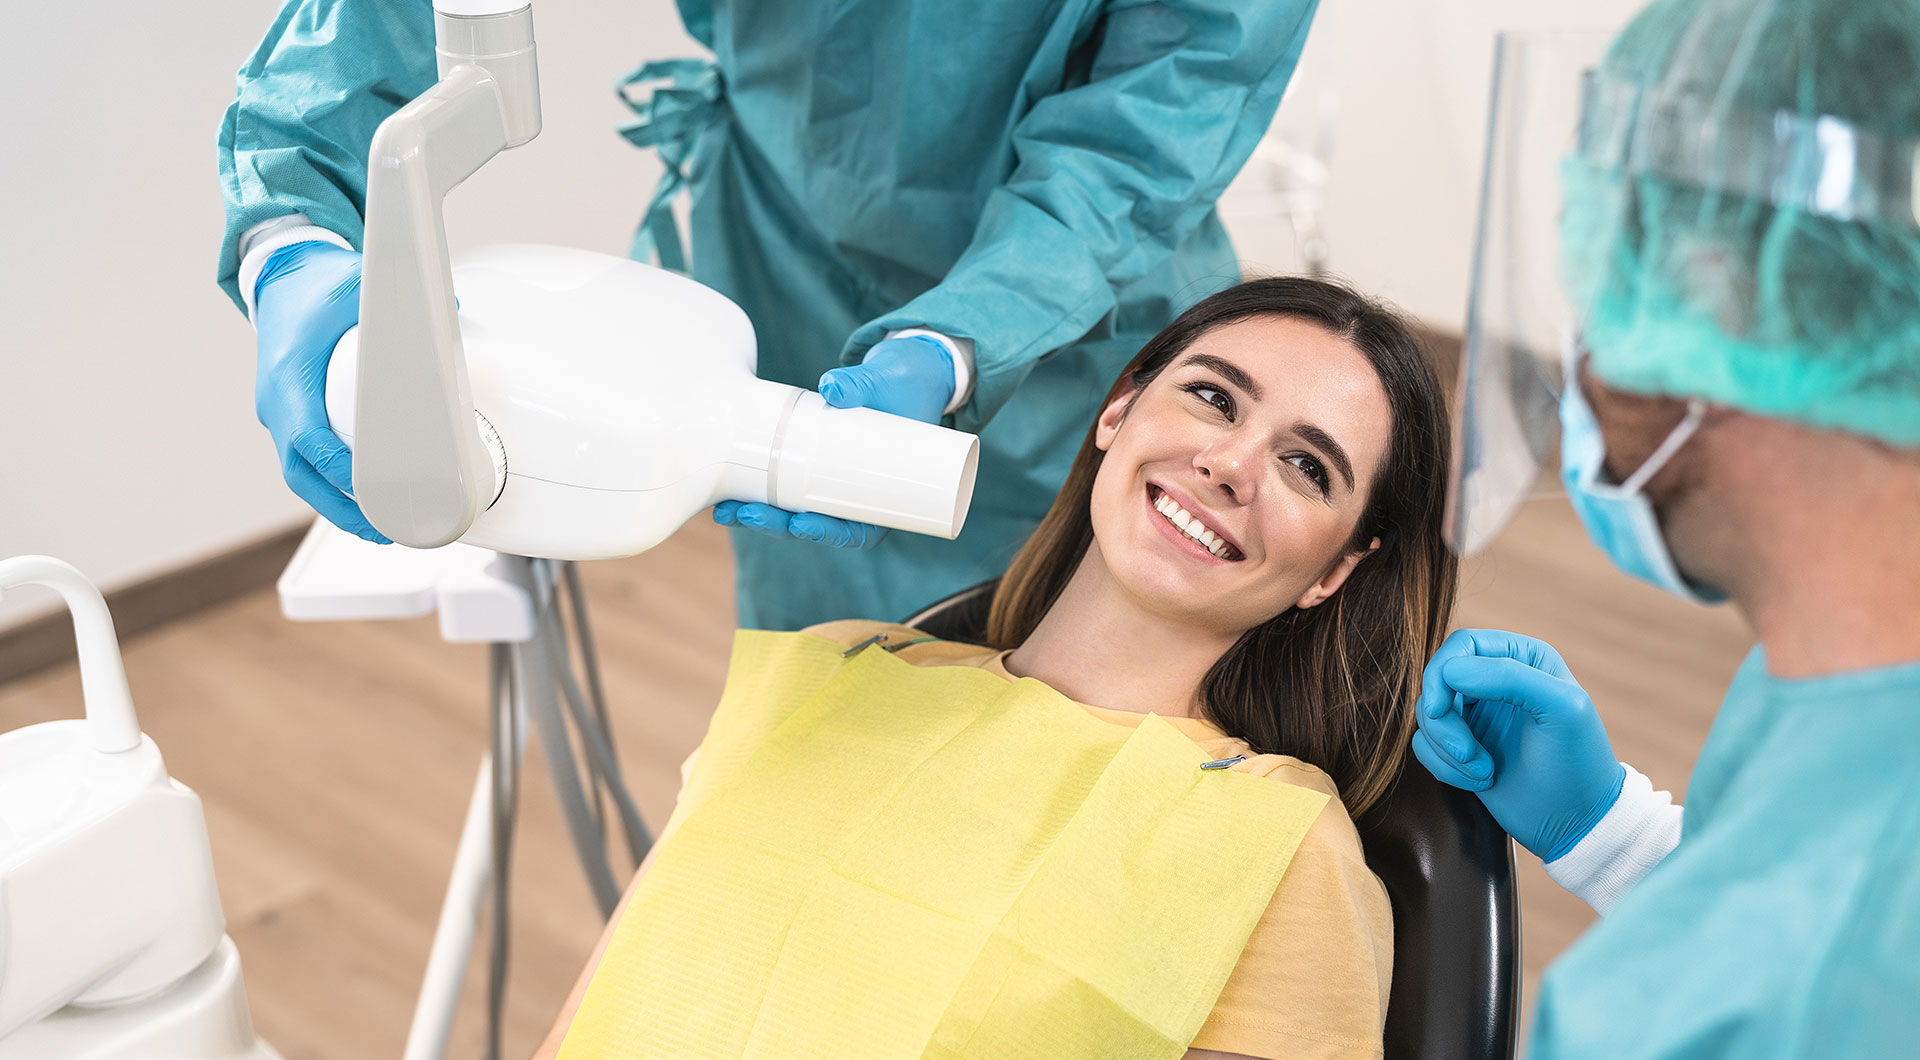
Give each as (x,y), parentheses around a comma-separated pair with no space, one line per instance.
(1681,195)
(1506,423)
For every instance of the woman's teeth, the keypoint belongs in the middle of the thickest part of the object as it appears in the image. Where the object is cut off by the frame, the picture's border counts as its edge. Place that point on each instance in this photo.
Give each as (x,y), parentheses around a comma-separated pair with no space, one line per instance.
(1192,527)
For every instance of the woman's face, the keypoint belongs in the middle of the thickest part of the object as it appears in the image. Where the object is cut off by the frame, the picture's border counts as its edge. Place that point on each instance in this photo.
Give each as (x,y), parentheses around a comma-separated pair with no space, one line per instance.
(1262,437)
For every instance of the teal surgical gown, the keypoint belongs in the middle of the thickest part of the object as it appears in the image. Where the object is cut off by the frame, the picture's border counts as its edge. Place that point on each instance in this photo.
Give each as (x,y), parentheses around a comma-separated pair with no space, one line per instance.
(1786,924)
(1036,177)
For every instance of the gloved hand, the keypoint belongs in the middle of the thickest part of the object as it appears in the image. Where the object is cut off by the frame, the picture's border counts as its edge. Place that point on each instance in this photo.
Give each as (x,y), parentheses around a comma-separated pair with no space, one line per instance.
(1501,715)
(911,376)
(307,296)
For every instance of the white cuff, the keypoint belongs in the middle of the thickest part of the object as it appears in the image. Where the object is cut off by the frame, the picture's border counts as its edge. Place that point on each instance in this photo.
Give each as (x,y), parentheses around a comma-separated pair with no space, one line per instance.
(1642,828)
(258,243)
(961,350)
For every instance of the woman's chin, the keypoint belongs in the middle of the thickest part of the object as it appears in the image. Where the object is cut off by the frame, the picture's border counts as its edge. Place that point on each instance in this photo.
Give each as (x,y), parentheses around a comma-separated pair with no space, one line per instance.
(1163,578)
(1177,594)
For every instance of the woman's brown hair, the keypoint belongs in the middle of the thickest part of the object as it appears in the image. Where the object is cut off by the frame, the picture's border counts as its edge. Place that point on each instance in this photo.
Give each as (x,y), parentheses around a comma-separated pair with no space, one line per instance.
(1332,685)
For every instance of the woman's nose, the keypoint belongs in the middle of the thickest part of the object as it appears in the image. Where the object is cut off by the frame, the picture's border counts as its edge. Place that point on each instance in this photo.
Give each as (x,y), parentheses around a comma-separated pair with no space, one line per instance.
(1227,469)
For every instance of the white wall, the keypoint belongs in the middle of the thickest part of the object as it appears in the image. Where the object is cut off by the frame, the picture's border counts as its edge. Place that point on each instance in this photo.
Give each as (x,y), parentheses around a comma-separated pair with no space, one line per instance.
(1409,81)
(127,439)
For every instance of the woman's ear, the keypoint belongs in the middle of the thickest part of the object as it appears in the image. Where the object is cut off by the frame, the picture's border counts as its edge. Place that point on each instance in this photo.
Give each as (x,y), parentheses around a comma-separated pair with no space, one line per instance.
(1331,581)
(1110,419)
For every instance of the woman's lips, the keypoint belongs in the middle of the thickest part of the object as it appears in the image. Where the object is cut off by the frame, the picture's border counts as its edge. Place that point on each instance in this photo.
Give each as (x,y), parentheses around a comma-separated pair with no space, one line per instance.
(1180,537)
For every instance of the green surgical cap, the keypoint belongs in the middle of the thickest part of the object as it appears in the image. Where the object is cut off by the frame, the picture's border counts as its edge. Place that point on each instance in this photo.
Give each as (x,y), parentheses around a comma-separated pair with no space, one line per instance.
(1741,217)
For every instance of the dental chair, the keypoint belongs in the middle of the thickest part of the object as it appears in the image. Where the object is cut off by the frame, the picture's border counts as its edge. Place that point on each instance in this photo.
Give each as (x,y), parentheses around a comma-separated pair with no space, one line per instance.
(1448,870)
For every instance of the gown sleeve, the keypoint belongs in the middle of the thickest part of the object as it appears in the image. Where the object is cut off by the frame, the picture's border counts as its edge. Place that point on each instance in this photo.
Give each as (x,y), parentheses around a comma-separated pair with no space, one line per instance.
(1111,176)
(295,138)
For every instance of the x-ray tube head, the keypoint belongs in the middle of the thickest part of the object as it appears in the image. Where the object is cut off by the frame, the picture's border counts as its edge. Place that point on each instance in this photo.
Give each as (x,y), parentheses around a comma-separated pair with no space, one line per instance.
(621,400)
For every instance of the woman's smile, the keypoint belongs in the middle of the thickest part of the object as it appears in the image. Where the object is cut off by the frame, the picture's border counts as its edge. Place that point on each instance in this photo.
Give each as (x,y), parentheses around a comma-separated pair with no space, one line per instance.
(1177,522)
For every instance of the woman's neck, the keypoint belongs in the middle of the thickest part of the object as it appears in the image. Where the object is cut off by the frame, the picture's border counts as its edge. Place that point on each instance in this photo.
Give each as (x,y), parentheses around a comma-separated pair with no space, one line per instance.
(1097,645)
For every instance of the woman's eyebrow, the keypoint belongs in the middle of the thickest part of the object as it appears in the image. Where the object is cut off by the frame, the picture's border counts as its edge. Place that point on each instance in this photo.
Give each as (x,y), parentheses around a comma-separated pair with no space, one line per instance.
(1228,370)
(1324,442)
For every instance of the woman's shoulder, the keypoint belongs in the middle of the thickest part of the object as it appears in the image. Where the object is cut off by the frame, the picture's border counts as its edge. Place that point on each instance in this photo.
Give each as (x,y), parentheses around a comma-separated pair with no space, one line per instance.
(1290,770)
(1325,943)
(1330,859)
(1333,834)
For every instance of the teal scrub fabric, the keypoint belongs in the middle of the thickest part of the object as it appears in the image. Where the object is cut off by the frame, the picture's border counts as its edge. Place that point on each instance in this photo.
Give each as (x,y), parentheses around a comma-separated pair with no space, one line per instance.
(1786,924)
(1036,177)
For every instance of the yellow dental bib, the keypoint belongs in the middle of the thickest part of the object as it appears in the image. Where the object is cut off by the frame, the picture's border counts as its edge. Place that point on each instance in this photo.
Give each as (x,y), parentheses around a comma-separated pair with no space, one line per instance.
(879,861)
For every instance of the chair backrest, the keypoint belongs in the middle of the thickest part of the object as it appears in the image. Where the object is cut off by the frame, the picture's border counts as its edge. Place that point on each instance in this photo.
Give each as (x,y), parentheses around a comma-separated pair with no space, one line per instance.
(1448,870)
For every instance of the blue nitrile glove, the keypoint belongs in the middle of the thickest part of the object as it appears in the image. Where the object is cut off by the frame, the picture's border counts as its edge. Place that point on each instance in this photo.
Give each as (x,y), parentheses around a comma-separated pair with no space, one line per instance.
(307,297)
(1500,714)
(911,376)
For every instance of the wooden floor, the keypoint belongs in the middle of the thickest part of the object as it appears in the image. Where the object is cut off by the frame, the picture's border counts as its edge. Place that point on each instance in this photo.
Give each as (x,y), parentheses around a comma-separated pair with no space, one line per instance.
(335,761)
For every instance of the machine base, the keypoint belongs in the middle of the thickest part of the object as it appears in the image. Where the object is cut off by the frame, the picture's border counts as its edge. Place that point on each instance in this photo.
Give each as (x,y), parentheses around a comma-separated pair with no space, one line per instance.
(202,1017)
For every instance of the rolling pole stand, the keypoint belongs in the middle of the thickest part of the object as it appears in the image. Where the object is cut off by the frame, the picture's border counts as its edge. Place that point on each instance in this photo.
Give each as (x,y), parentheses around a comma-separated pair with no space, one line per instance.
(514,605)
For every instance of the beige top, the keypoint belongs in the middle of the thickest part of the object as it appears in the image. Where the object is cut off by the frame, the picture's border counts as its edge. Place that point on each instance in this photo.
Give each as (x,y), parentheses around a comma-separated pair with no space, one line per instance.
(1312,982)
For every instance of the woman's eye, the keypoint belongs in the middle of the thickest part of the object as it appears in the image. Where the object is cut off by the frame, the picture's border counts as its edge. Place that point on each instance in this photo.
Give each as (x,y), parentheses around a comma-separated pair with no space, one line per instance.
(1212,395)
(1314,470)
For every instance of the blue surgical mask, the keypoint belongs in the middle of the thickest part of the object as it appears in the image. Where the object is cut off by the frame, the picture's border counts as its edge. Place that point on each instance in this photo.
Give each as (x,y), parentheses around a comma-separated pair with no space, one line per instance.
(1619,518)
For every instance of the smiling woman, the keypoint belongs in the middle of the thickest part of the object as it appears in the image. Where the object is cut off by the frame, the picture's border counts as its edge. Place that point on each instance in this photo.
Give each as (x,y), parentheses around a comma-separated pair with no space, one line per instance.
(1125,827)
(1264,486)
